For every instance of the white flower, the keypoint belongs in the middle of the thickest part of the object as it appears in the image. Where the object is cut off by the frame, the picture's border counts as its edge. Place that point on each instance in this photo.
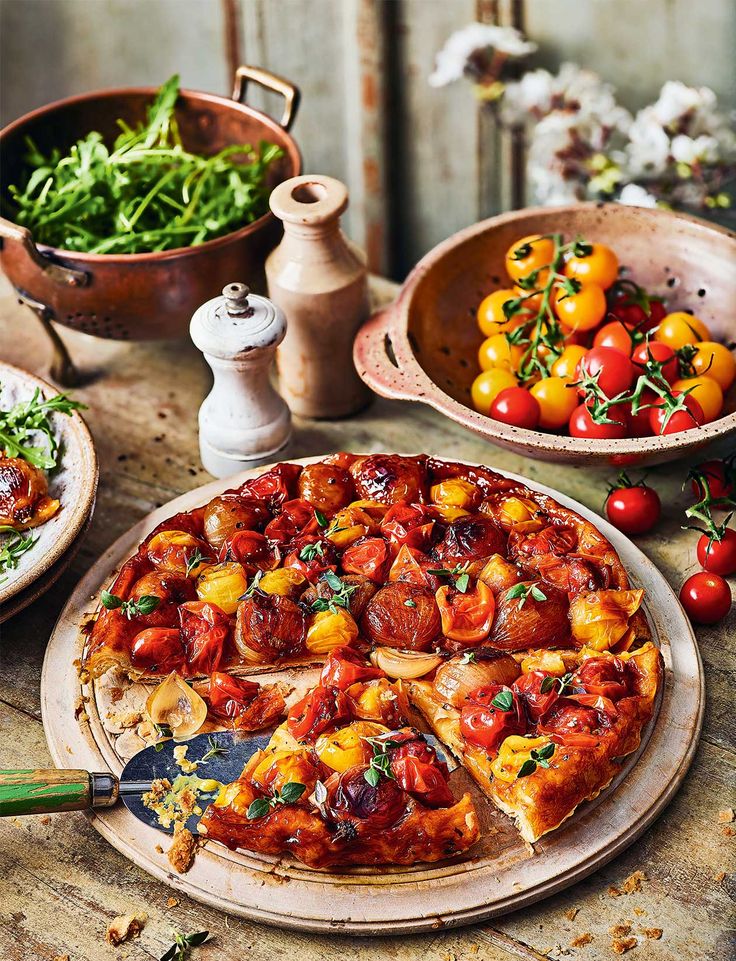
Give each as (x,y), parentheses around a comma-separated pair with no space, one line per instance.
(649,145)
(635,196)
(676,100)
(452,59)
(687,150)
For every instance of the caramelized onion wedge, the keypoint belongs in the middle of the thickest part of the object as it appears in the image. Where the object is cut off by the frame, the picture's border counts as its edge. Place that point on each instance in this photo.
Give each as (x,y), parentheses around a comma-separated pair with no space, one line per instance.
(457,678)
(178,706)
(404,664)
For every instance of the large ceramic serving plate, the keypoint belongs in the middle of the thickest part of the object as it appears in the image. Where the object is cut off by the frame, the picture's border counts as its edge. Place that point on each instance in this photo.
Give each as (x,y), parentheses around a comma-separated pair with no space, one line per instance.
(501,874)
(73,482)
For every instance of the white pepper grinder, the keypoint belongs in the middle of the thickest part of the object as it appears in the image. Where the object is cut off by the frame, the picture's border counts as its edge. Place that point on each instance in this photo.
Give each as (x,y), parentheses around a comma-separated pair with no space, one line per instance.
(243,421)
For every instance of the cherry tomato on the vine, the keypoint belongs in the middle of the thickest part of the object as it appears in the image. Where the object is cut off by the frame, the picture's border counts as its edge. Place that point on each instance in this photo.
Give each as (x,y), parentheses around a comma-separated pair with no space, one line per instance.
(720,477)
(583,425)
(617,335)
(615,372)
(633,509)
(581,311)
(717,361)
(517,407)
(706,597)
(678,329)
(706,391)
(556,401)
(640,424)
(718,556)
(653,350)
(600,266)
(488,385)
(529,254)
(491,318)
(686,418)
(566,364)
(626,309)
(496,351)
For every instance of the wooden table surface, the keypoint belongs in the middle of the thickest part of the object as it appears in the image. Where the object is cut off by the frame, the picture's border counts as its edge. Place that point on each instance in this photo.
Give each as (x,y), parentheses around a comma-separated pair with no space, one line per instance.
(61,883)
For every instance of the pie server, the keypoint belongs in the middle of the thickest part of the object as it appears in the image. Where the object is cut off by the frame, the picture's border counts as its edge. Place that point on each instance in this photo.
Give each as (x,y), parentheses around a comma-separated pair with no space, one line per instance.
(54,790)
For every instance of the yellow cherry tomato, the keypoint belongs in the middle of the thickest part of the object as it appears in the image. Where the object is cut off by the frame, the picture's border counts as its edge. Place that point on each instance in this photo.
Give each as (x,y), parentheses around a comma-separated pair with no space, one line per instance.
(331,629)
(599,267)
(717,361)
(566,364)
(583,310)
(706,391)
(678,329)
(223,585)
(529,254)
(488,385)
(347,747)
(455,492)
(491,318)
(556,400)
(496,351)
(532,303)
(285,581)
(512,754)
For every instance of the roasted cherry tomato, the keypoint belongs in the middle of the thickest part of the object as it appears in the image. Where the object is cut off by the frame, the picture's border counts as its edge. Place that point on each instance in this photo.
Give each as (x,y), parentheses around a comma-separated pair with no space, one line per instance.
(402,615)
(600,266)
(297,518)
(556,399)
(633,508)
(603,677)
(491,318)
(229,696)
(488,385)
(529,688)
(312,556)
(720,476)
(320,710)
(533,253)
(517,407)
(353,796)
(409,524)
(389,478)
(487,718)
(678,329)
(470,538)
(706,597)
(652,352)
(583,425)
(706,391)
(666,421)
(345,667)
(612,369)
(581,311)
(369,556)
(717,361)
(253,551)
(566,365)
(496,351)
(466,617)
(274,486)
(158,650)
(617,336)
(573,723)
(205,630)
(327,487)
(718,556)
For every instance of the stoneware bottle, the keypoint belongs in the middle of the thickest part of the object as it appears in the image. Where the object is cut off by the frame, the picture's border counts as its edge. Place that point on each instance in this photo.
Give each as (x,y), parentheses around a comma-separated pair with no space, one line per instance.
(319,280)
(243,421)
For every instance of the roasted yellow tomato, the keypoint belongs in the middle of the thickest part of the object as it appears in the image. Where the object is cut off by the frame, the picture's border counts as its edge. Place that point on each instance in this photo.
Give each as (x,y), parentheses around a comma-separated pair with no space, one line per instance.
(550,662)
(513,753)
(285,581)
(496,351)
(180,552)
(349,525)
(347,747)
(331,629)
(455,492)
(373,700)
(223,585)
(500,574)
(600,619)
(450,514)
(678,329)
(275,770)
(514,513)
(239,795)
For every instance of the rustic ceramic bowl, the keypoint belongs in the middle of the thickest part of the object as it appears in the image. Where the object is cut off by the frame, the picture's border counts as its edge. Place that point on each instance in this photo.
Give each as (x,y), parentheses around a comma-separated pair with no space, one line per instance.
(423,347)
(74,483)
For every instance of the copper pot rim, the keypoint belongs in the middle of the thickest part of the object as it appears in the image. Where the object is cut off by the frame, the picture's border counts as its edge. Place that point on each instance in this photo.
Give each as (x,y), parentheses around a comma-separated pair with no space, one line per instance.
(157,255)
(430,392)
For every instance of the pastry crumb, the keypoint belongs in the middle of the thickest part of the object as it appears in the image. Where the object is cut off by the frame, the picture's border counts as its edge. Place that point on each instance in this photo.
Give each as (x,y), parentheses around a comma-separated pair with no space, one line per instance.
(725,816)
(581,940)
(159,849)
(182,851)
(45,819)
(180,757)
(633,882)
(719,877)
(172,902)
(474,948)
(728,831)
(618,930)
(653,934)
(639,912)
(124,928)
(571,913)
(622,945)
(61,957)
(614,892)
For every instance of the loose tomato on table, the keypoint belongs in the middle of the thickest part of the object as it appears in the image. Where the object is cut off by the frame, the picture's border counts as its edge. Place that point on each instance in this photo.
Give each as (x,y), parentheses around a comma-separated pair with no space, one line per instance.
(679,328)
(706,597)
(557,400)
(717,555)
(611,369)
(467,616)
(490,715)
(582,424)
(594,264)
(667,417)
(633,508)
(517,407)
(583,310)
(719,475)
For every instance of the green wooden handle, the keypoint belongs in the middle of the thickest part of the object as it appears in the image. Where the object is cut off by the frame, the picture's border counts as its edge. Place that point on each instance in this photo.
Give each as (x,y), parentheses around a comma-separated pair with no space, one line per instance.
(44,792)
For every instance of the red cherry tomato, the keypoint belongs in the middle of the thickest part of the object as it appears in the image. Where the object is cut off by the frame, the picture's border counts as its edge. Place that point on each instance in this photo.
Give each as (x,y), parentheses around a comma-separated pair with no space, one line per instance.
(623,304)
(603,677)
(486,724)
(517,407)
(718,556)
(686,418)
(318,711)
(640,422)
(617,336)
(529,688)
(158,650)
(205,630)
(466,617)
(229,696)
(614,371)
(345,667)
(706,597)
(583,425)
(653,350)
(369,556)
(633,510)
(720,478)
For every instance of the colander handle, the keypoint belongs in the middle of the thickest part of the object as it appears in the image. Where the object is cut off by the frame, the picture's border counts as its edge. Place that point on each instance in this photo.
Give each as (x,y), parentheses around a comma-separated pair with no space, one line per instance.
(270,81)
(17,243)
(374,364)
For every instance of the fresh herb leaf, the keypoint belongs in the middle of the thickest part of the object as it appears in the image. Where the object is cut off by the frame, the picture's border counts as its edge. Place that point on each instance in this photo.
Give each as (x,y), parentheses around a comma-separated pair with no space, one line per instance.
(253,586)
(380,764)
(27,432)
(214,750)
(310,551)
(320,517)
(12,549)
(290,793)
(504,700)
(523,592)
(410,603)
(468,658)
(340,598)
(132,608)
(528,767)
(195,560)
(538,594)
(461,584)
(547,684)
(258,808)
(179,950)
(372,776)
(539,758)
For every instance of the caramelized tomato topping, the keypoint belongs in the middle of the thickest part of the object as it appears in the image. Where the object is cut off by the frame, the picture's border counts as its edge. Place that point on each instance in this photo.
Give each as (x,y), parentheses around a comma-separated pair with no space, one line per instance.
(205,630)
(320,710)
(486,724)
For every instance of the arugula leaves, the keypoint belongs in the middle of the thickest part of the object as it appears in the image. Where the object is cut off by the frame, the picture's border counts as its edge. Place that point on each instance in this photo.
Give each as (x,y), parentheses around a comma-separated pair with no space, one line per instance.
(146,192)
(21,426)
(13,548)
